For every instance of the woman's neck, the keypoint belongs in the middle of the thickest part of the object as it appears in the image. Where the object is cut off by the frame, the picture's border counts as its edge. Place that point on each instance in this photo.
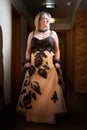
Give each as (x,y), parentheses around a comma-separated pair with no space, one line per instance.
(42,30)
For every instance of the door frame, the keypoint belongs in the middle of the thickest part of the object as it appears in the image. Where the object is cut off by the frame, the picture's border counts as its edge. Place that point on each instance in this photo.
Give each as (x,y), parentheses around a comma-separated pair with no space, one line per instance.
(15,53)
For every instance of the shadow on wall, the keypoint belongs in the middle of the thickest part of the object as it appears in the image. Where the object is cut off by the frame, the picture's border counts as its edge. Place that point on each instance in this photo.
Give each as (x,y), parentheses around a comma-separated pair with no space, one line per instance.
(1,71)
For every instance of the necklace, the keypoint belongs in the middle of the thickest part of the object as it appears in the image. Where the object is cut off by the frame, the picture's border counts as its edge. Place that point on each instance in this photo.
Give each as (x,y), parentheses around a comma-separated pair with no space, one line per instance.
(40,30)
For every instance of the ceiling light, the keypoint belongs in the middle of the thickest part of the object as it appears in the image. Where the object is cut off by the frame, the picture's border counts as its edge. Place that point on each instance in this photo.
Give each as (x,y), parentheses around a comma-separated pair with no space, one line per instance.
(50,5)
(68,3)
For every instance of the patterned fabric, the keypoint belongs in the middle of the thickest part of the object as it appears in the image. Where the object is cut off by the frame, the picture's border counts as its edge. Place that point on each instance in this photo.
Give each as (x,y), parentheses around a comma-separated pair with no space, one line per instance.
(41,96)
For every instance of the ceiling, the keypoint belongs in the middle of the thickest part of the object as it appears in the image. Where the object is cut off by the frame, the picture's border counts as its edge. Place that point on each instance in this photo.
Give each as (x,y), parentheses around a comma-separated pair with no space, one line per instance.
(62,12)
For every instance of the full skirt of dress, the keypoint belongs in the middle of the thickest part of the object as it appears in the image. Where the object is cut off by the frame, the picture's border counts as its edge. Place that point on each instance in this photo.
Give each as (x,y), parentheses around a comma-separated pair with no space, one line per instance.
(41,97)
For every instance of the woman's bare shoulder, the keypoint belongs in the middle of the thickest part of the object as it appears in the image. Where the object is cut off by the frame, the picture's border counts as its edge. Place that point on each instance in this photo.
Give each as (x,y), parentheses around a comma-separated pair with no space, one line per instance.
(54,34)
(30,35)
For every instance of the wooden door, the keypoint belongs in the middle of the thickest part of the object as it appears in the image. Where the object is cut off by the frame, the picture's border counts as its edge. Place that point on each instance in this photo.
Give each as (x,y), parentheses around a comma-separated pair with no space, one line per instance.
(15,55)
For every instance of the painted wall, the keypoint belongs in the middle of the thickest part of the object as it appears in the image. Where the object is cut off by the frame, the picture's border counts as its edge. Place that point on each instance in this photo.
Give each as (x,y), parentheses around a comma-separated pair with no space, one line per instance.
(5,23)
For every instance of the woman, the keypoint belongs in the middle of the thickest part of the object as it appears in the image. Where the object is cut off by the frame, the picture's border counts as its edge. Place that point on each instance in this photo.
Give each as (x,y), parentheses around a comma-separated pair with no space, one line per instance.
(41,97)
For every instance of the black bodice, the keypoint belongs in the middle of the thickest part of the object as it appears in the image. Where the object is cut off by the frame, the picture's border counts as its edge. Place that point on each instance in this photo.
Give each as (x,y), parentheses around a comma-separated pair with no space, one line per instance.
(45,44)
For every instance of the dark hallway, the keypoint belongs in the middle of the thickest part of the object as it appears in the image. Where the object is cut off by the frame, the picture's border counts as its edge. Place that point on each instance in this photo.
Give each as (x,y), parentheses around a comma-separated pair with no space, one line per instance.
(76,118)
(70,22)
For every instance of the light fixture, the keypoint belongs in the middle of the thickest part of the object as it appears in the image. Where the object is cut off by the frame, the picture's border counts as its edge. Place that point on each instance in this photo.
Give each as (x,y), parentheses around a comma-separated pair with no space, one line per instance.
(68,3)
(50,5)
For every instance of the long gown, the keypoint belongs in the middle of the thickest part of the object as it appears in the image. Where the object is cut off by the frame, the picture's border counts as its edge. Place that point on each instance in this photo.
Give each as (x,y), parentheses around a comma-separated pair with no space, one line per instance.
(41,97)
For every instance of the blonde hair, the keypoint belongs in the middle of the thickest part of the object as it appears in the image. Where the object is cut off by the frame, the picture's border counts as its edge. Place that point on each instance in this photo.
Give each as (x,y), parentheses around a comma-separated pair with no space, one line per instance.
(38,17)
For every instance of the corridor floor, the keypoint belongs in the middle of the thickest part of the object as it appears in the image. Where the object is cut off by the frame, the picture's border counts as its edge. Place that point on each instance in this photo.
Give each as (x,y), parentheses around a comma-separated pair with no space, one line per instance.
(76,118)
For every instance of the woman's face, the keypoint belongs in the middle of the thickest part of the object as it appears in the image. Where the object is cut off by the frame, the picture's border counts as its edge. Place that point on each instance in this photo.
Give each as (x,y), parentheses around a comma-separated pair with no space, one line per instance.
(44,21)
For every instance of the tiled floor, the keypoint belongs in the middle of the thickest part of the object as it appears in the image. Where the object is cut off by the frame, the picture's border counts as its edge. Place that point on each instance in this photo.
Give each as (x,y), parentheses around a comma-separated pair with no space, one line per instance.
(76,119)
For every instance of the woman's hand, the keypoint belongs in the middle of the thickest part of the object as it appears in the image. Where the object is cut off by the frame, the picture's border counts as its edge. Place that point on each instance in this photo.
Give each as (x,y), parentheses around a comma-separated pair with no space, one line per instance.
(26,65)
(57,65)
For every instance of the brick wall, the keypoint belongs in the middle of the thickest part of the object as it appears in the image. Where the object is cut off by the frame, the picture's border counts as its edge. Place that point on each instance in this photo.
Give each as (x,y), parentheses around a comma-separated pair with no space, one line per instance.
(80,52)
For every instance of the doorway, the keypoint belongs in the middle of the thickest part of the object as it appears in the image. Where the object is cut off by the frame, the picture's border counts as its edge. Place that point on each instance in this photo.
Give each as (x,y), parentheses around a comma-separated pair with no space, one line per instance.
(62,35)
(15,54)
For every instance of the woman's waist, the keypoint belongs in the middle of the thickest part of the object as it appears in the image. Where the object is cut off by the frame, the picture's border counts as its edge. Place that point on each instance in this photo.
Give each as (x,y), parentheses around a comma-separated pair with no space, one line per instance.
(42,58)
(42,49)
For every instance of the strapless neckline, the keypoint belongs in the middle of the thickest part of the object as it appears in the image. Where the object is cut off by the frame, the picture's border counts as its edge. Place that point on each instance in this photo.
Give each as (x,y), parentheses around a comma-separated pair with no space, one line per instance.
(42,39)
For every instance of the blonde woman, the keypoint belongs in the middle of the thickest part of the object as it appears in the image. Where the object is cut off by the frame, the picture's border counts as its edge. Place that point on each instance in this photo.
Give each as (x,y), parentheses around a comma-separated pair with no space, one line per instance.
(41,97)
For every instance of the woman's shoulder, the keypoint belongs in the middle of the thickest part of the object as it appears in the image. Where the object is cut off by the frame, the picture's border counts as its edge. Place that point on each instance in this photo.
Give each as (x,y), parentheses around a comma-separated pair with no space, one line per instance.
(31,34)
(54,34)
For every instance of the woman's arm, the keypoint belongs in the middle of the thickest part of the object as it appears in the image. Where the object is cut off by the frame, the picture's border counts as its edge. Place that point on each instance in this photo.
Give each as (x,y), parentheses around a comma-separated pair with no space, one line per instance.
(57,51)
(28,51)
